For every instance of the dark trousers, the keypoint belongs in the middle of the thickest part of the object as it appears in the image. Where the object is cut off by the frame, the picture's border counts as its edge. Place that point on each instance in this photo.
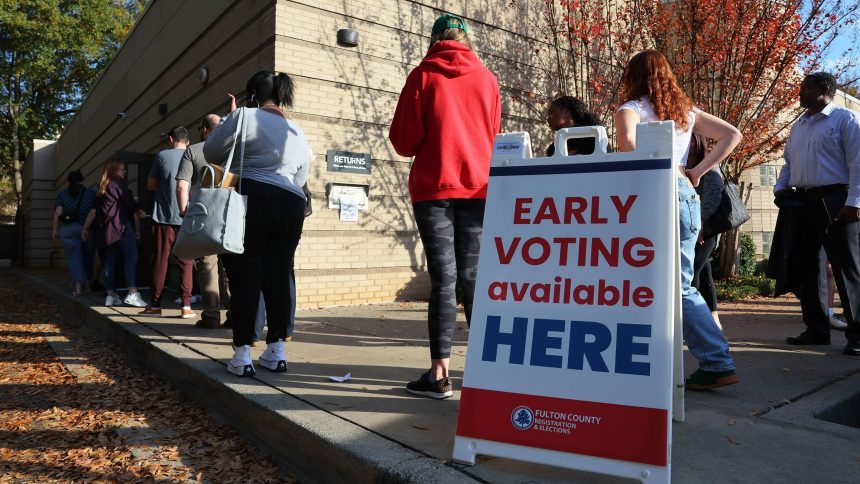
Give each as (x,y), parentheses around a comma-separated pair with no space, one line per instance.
(703,278)
(163,237)
(841,242)
(125,248)
(451,234)
(273,226)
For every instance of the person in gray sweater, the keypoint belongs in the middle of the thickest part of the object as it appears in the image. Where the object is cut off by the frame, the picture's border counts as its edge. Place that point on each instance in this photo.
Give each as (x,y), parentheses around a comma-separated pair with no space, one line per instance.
(710,192)
(277,156)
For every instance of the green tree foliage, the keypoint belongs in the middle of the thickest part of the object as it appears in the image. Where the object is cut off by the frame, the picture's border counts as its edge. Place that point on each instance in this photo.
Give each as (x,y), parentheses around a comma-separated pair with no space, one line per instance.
(51,52)
(747,255)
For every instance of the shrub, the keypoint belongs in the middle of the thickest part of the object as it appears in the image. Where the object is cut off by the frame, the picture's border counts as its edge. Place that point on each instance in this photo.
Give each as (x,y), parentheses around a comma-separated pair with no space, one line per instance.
(744,287)
(761,267)
(747,256)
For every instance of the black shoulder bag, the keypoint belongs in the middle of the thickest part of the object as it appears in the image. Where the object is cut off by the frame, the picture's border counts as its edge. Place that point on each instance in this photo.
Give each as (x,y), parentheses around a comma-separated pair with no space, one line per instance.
(731,213)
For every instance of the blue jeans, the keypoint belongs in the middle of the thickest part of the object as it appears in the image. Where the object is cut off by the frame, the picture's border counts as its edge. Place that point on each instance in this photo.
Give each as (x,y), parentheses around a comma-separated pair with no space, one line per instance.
(126,247)
(89,254)
(70,234)
(704,339)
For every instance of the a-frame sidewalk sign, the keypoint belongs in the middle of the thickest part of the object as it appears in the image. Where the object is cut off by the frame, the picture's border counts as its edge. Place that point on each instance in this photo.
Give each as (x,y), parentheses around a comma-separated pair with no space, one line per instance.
(575,343)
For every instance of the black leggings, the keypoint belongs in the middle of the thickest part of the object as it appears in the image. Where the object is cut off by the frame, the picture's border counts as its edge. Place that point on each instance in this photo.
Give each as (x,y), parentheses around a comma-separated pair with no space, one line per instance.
(703,279)
(273,226)
(451,233)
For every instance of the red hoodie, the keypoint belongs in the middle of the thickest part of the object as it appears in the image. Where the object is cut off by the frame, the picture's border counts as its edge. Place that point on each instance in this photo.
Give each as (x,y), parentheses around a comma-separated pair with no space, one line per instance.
(447,117)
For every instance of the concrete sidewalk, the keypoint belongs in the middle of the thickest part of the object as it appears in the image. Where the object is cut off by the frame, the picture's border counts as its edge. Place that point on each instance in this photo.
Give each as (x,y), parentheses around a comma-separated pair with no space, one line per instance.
(772,427)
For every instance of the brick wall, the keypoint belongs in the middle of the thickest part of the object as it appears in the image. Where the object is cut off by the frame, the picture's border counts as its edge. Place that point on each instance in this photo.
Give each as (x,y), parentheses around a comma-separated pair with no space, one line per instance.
(344,101)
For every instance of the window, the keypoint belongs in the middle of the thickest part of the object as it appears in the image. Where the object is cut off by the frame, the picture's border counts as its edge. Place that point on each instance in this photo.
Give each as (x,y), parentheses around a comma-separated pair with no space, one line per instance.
(767,175)
(766,239)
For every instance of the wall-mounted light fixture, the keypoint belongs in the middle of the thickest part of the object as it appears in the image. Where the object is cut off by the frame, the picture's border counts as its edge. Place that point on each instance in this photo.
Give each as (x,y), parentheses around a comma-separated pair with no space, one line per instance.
(347,38)
(203,75)
(162,109)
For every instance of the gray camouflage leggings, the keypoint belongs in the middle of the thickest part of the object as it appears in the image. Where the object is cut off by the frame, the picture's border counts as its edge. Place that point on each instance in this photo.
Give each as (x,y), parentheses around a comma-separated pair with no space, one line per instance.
(451,233)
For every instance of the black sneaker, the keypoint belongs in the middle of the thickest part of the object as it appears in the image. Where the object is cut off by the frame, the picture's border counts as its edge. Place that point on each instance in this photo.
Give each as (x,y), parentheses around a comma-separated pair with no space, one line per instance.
(207,323)
(808,338)
(424,387)
(705,380)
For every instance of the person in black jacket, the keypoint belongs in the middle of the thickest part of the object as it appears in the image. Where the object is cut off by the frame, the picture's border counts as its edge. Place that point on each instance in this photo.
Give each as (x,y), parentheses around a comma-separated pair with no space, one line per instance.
(710,191)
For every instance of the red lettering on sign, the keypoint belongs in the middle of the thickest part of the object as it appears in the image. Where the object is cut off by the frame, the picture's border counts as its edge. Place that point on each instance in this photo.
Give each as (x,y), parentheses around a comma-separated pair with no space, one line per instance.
(521,208)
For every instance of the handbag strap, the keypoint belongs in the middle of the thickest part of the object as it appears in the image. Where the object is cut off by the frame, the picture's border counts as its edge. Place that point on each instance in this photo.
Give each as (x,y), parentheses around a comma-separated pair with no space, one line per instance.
(722,173)
(244,128)
(239,132)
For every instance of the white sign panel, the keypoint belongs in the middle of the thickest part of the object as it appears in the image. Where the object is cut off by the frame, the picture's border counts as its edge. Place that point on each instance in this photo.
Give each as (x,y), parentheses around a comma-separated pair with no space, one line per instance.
(571,340)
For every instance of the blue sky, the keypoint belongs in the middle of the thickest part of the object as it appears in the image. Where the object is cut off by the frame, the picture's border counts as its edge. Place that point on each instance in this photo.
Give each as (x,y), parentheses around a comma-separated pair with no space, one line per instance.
(848,38)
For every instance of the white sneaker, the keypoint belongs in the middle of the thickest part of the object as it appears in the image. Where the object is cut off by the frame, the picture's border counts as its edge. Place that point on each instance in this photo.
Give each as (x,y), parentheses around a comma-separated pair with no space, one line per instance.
(112,301)
(837,323)
(240,364)
(195,298)
(134,299)
(274,358)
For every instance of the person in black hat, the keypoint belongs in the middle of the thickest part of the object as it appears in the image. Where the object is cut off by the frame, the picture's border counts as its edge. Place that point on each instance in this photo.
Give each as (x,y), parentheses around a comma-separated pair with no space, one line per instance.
(70,212)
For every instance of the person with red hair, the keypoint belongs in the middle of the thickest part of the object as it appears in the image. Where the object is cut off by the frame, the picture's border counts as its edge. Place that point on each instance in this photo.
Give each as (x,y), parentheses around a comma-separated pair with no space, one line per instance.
(651,92)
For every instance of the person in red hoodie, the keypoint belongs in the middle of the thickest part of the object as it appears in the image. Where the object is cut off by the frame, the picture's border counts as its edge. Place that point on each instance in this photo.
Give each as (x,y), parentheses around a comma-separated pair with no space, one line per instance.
(447,117)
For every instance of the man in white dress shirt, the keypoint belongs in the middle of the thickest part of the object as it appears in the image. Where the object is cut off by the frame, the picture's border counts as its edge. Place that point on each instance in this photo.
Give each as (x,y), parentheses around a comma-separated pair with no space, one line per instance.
(822,162)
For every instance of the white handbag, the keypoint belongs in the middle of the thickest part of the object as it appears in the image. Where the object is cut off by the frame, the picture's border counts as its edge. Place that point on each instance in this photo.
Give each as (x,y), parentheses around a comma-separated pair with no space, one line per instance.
(214,221)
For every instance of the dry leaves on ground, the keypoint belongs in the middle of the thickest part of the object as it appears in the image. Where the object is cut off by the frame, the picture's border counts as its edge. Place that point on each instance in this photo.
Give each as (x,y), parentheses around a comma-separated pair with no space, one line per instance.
(104,421)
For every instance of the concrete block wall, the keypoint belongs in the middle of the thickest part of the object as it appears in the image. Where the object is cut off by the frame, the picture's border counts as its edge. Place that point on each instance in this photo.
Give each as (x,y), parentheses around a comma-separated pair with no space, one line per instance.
(159,63)
(39,198)
(344,101)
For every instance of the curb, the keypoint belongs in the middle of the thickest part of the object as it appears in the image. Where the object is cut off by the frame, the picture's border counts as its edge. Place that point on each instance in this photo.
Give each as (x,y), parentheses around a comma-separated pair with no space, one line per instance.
(314,444)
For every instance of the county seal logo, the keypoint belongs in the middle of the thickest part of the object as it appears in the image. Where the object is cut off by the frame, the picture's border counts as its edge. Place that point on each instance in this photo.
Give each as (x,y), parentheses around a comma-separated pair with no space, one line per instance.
(523,418)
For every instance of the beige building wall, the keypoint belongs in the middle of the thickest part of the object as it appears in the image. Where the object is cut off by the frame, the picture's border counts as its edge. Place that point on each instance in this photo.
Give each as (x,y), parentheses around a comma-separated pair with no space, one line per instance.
(763,178)
(158,64)
(345,99)
(38,206)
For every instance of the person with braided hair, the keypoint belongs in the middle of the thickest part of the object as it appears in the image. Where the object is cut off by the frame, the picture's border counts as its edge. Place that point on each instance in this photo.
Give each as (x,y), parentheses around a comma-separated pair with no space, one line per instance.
(570,112)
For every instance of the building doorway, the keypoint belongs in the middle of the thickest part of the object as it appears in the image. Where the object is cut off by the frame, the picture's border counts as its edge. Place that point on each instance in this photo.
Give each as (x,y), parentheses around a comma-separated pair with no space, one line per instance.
(138,166)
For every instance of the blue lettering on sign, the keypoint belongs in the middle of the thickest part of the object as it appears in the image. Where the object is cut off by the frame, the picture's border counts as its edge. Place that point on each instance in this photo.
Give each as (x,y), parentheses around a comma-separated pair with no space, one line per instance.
(515,339)
(542,341)
(580,349)
(588,342)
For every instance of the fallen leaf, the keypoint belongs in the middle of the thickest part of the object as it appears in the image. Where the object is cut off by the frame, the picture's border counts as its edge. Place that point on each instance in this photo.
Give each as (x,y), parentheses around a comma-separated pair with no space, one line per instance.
(732,421)
(786,370)
(732,441)
(421,427)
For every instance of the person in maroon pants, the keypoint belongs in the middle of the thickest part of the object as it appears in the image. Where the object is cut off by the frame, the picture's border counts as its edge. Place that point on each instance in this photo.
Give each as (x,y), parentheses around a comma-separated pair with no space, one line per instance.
(165,225)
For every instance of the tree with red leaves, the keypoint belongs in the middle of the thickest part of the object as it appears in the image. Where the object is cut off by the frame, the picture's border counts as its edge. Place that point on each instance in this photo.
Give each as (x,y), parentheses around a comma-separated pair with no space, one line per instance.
(741,60)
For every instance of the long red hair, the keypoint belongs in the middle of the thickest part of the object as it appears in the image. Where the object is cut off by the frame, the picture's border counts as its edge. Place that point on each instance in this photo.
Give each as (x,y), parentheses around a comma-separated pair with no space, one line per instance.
(109,169)
(649,73)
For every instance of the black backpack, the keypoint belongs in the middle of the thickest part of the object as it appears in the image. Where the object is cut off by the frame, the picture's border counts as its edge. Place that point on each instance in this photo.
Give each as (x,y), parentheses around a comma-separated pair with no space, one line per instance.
(71,216)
